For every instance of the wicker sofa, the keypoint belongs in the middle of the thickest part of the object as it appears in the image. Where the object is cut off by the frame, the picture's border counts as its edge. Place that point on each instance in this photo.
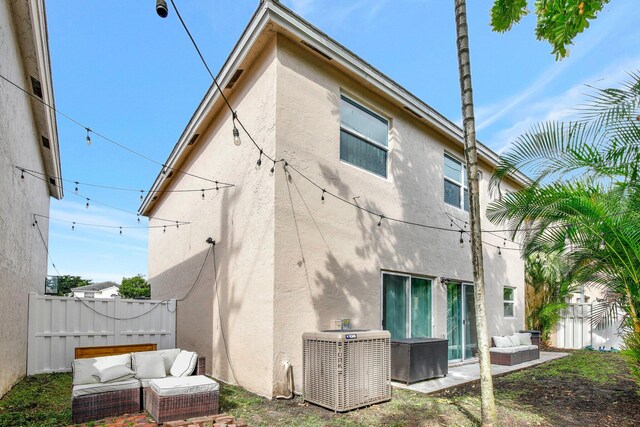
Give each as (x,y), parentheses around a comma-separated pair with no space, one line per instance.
(115,385)
(514,349)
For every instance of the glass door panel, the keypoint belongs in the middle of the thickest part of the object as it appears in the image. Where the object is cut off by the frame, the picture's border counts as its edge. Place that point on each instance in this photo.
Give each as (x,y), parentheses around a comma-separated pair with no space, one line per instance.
(394,312)
(470,332)
(420,308)
(454,320)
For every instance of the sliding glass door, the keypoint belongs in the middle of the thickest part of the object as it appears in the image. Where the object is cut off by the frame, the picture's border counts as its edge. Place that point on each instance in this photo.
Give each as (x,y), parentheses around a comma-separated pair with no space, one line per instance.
(461,321)
(406,306)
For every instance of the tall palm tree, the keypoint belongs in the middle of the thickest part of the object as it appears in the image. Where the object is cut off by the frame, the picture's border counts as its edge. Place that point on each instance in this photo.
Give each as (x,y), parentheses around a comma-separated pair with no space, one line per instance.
(585,197)
(487,400)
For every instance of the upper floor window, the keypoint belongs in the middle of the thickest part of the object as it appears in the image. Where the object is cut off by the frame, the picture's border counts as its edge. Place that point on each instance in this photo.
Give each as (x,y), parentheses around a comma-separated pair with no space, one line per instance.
(455,183)
(508,300)
(363,137)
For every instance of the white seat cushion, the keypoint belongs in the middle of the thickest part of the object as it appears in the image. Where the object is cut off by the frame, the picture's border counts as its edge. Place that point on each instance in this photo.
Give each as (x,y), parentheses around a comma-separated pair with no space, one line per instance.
(176,386)
(169,356)
(86,389)
(86,371)
(184,364)
(513,349)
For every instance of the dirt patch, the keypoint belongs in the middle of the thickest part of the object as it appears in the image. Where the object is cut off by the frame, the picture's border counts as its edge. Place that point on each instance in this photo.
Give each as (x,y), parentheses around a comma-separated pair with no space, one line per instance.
(588,388)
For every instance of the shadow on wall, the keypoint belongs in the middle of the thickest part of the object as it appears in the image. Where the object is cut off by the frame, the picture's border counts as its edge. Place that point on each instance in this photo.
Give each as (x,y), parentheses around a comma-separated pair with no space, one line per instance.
(206,309)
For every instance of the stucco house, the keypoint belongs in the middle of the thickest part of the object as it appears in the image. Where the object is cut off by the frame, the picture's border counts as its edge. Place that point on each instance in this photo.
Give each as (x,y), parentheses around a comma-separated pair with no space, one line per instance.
(29,140)
(288,260)
(96,290)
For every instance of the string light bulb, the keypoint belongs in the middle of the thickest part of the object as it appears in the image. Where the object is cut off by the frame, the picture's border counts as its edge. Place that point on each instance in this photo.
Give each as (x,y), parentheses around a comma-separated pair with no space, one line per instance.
(259,162)
(141,195)
(177,225)
(380,220)
(499,251)
(203,194)
(164,229)
(73,225)
(273,168)
(87,205)
(88,136)
(236,134)
(35,222)
(451,225)
(461,239)
(217,188)
(22,173)
(138,218)
(76,189)
(121,231)
(323,191)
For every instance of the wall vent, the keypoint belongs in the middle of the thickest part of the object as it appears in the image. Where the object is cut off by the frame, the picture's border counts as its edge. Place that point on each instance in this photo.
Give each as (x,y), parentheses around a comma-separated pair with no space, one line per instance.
(37,87)
(234,78)
(45,142)
(193,139)
(413,112)
(316,50)
(170,174)
(52,181)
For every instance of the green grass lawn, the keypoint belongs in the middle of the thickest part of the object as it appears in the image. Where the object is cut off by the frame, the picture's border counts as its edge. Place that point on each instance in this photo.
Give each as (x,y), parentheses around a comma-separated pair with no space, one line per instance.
(581,389)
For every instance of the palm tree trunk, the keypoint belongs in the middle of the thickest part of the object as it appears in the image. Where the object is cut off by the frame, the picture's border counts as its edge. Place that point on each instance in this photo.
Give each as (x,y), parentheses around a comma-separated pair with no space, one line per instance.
(488,405)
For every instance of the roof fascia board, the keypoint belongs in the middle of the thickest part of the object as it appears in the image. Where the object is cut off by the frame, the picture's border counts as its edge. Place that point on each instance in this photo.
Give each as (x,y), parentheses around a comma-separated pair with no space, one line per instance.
(240,51)
(41,42)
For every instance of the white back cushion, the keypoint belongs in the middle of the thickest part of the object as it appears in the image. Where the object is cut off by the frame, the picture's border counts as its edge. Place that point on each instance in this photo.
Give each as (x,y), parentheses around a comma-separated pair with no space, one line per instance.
(525,338)
(115,373)
(168,355)
(149,365)
(515,339)
(86,371)
(184,364)
(502,342)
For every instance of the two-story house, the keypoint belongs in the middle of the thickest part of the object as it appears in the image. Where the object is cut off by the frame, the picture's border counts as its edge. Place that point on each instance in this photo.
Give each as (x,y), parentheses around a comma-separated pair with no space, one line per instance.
(289,258)
(28,140)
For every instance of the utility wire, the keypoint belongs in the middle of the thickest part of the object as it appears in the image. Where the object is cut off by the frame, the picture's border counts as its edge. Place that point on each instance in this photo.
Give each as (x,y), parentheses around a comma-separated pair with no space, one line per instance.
(88,199)
(219,185)
(104,137)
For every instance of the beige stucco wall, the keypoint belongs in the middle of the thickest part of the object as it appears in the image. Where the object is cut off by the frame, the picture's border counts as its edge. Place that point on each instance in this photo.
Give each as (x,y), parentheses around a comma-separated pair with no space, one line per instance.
(287,262)
(241,221)
(329,256)
(23,262)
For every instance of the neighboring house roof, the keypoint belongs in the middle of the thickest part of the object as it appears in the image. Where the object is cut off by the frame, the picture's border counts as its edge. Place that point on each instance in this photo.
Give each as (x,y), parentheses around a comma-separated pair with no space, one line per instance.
(272,15)
(95,287)
(30,22)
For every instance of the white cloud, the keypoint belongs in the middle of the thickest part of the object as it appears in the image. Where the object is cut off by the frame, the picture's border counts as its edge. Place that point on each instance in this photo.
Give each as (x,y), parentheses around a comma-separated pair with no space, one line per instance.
(564,105)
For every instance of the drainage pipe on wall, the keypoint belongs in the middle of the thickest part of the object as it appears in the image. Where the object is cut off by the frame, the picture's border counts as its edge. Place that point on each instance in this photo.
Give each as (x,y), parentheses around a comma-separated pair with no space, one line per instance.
(288,368)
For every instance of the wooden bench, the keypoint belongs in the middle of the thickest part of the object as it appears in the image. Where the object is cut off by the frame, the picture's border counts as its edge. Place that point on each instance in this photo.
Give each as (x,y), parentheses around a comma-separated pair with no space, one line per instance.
(112,350)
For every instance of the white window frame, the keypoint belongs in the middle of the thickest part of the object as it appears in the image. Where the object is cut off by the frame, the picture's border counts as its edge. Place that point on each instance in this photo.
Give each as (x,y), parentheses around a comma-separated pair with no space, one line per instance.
(512,302)
(350,130)
(407,298)
(461,184)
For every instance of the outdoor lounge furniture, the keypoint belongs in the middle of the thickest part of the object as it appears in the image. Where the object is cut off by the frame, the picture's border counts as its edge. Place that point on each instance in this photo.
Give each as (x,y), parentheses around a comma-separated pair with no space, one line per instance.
(112,385)
(513,349)
(179,398)
(418,359)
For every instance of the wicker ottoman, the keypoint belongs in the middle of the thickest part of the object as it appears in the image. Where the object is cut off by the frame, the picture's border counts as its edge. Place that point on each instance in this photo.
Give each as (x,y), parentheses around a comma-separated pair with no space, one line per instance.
(179,398)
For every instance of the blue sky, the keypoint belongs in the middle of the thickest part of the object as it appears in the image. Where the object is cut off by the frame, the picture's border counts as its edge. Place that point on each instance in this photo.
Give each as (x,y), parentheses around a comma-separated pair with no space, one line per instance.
(134,77)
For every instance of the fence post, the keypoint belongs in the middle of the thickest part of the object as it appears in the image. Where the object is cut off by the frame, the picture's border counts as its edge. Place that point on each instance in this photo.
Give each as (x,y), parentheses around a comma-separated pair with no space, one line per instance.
(117,327)
(31,334)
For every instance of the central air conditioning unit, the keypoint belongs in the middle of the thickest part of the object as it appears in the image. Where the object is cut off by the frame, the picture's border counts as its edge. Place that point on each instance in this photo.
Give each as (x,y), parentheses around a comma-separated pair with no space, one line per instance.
(344,370)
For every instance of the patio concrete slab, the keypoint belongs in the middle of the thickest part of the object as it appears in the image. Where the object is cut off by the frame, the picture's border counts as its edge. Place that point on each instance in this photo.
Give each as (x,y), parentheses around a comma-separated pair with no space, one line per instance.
(470,372)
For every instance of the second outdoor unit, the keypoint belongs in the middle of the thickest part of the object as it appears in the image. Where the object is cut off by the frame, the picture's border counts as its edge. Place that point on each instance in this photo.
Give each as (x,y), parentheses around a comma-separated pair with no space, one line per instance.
(344,370)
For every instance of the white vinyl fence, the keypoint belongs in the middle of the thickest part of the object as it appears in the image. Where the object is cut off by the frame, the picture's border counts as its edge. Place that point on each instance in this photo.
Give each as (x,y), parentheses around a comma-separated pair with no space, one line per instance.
(574,330)
(57,325)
